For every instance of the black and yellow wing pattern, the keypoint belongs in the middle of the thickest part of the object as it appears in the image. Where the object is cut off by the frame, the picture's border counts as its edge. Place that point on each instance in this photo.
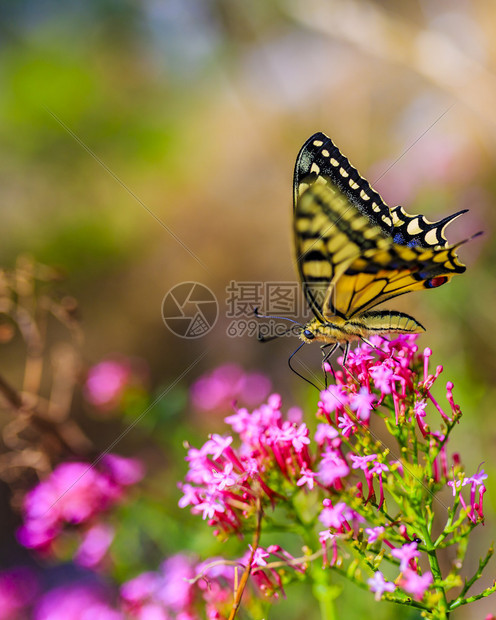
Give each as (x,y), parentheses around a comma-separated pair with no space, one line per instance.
(353,252)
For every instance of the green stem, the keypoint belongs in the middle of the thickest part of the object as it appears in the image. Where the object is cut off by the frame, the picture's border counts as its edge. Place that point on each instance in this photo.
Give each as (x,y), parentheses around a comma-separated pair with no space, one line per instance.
(323,590)
(325,593)
(442,611)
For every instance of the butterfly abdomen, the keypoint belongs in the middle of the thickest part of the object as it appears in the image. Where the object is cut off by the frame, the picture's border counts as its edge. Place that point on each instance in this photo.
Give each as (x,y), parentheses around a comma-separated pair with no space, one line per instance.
(361,326)
(386,321)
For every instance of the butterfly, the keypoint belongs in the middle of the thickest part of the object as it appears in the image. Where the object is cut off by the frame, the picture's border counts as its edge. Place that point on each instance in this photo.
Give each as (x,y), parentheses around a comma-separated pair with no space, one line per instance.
(353,252)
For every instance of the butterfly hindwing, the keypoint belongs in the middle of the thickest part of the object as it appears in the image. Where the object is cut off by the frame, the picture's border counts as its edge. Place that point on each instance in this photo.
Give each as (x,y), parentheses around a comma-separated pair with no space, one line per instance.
(418,230)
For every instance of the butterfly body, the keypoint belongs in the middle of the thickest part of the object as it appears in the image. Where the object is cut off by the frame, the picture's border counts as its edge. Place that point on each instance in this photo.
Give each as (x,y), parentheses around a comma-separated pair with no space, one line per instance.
(353,252)
(362,326)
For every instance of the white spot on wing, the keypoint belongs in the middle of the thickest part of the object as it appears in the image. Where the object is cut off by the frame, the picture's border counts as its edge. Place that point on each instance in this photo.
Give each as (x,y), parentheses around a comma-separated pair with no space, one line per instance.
(413,227)
(364,196)
(318,143)
(431,237)
(315,168)
(343,172)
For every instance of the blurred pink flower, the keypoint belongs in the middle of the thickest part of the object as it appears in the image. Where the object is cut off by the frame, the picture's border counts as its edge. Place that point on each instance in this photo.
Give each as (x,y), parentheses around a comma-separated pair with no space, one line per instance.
(73,494)
(416,584)
(219,389)
(156,595)
(379,585)
(175,590)
(106,381)
(18,587)
(94,546)
(75,602)
(123,471)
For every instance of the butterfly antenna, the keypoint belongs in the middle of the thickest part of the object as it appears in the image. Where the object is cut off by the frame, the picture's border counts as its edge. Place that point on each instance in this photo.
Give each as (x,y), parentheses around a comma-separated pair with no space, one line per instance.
(262,338)
(296,372)
(477,234)
(267,316)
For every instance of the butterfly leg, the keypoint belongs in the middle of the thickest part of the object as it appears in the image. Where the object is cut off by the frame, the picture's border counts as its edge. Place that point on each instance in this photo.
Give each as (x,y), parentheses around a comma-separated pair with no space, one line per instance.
(326,356)
(368,342)
(346,350)
(296,372)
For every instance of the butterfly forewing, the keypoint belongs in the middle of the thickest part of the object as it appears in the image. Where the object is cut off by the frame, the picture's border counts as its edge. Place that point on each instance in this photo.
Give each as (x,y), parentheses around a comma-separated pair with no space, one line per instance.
(341,251)
(320,159)
(330,235)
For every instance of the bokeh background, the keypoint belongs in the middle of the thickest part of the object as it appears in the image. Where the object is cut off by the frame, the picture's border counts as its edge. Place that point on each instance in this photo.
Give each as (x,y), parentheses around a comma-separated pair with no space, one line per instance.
(121,122)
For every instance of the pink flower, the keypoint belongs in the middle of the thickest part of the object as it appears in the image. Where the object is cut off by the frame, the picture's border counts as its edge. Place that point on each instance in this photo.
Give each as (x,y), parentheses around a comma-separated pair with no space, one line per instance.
(361,402)
(373,533)
(333,399)
(362,462)
(295,415)
(18,588)
(77,602)
(455,485)
(299,437)
(224,479)
(163,594)
(259,556)
(406,554)
(123,471)
(106,381)
(346,425)
(219,444)
(95,544)
(175,591)
(219,389)
(332,467)
(325,432)
(379,468)
(334,516)
(73,494)
(382,376)
(140,588)
(416,584)
(379,585)
(307,477)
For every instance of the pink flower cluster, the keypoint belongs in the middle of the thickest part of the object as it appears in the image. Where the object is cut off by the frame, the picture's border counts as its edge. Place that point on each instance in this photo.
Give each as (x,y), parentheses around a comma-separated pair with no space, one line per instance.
(21,596)
(226,385)
(269,458)
(76,494)
(223,484)
(77,602)
(178,589)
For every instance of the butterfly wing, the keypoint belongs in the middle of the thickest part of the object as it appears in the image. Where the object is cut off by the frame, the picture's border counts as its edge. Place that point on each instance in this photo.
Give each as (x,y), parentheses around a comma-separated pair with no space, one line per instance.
(348,265)
(319,160)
